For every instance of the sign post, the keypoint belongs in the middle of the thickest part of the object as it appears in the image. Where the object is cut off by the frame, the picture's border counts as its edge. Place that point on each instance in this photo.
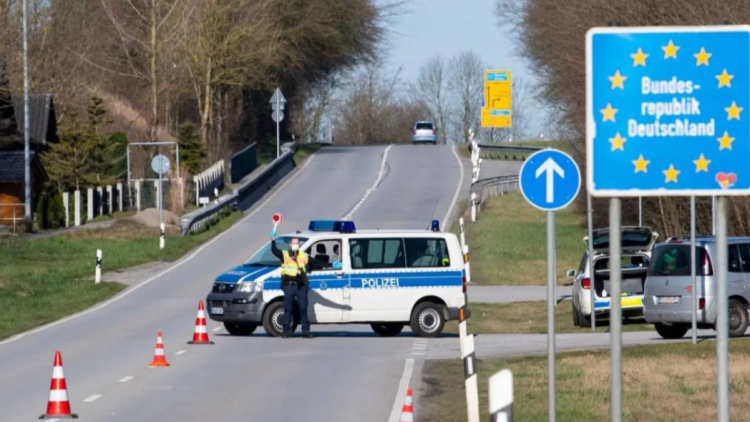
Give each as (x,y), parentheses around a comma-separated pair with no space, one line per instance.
(277,103)
(550,180)
(497,104)
(160,164)
(666,116)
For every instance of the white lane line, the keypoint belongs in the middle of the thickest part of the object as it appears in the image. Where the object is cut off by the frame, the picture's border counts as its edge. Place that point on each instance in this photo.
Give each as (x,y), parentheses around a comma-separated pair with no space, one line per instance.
(375,185)
(179,352)
(126,379)
(217,329)
(401,394)
(458,188)
(93,398)
(184,259)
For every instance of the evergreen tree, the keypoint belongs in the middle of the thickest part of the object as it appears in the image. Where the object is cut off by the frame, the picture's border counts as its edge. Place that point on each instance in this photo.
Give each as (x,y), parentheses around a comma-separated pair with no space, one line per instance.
(100,151)
(66,161)
(192,150)
(119,168)
(8,128)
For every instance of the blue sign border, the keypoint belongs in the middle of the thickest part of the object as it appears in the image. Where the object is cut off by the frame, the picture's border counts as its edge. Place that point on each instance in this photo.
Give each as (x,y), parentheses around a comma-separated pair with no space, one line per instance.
(578,171)
(591,125)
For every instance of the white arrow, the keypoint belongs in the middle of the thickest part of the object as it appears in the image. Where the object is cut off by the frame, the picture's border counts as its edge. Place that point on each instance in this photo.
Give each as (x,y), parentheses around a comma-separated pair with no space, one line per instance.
(550,167)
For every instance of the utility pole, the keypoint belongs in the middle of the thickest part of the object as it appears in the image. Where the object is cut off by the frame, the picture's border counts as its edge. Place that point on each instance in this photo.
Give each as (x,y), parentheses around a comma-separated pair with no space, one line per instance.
(26,152)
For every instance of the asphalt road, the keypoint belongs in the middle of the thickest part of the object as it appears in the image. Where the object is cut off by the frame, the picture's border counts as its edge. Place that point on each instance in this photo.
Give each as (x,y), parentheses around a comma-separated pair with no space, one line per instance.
(345,374)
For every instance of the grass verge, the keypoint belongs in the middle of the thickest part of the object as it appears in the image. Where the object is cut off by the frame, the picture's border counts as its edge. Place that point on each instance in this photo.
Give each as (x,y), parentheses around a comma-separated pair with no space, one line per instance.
(664,383)
(267,152)
(508,242)
(531,318)
(46,279)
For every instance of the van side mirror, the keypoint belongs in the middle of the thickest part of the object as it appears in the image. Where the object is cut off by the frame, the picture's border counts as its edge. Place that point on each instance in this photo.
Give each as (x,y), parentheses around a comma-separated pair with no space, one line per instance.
(571,273)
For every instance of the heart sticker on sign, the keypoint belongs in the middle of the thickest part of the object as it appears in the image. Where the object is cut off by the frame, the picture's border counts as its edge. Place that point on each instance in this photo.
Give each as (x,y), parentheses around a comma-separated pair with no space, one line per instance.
(726,180)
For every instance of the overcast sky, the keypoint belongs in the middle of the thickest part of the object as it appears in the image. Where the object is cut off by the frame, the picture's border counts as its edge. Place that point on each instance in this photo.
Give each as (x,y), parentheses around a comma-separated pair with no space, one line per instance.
(448,26)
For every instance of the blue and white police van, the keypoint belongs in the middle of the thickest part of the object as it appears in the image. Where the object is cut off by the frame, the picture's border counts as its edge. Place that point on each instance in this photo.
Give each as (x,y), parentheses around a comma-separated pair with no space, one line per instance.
(388,279)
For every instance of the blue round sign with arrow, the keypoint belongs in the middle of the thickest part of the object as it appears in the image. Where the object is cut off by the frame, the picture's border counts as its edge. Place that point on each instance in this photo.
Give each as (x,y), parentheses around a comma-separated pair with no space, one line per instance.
(549,179)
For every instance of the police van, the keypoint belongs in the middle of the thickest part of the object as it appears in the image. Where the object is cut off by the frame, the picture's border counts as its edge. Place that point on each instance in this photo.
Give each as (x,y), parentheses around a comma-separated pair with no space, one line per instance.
(388,279)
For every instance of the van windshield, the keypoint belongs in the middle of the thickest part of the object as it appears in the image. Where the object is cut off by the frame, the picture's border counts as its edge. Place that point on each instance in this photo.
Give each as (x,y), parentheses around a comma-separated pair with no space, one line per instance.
(265,258)
(424,126)
(674,260)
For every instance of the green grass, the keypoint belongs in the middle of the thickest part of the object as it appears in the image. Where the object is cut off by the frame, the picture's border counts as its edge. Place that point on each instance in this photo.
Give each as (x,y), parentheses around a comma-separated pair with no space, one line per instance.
(508,242)
(668,382)
(531,318)
(46,279)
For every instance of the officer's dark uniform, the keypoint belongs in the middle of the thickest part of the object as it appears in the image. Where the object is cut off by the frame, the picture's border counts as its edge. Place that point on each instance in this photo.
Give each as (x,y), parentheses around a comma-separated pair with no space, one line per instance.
(296,286)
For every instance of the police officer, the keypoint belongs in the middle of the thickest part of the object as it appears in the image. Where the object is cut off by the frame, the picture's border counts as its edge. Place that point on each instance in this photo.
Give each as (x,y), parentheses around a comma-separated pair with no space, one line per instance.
(294,282)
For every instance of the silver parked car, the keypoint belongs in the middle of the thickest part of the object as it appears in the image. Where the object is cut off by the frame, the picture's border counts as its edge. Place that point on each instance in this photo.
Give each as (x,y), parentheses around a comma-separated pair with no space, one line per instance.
(424,132)
(668,291)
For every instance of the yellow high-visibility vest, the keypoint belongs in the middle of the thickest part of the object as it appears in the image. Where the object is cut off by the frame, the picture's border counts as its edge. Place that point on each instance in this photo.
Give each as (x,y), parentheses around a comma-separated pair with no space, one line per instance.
(290,267)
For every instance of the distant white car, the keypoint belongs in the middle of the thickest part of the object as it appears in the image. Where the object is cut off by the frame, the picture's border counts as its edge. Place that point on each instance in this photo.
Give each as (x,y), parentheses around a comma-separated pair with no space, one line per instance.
(424,132)
(637,243)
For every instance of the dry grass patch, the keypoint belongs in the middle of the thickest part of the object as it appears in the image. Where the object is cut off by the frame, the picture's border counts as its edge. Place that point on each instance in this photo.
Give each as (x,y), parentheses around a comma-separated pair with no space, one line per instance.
(673,382)
(508,242)
(531,318)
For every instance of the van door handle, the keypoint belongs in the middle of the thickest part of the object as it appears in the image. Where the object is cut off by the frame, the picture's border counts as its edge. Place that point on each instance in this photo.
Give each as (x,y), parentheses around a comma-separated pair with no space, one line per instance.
(339,274)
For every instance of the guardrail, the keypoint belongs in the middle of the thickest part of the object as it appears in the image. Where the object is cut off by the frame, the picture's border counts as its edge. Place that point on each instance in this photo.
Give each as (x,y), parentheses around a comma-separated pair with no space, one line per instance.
(484,189)
(244,196)
(505,151)
(501,147)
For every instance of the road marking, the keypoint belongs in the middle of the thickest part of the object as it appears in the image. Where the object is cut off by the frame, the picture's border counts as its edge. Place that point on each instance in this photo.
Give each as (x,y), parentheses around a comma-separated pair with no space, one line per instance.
(93,398)
(217,329)
(401,394)
(458,188)
(375,185)
(183,260)
(179,352)
(126,379)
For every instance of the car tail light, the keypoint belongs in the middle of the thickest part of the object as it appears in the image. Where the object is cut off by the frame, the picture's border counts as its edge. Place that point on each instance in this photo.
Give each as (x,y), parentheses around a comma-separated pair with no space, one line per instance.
(415,131)
(434,131)
(586,283)
(463,283)
(701,303)
(708,269)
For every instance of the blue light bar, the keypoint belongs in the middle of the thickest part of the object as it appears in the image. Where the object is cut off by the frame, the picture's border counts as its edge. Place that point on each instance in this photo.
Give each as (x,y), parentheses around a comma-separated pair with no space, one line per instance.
(435,226)
(332,226)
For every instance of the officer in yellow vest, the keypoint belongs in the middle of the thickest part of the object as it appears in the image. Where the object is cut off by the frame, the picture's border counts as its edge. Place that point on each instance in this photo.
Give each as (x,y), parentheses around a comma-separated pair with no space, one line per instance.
(294,283)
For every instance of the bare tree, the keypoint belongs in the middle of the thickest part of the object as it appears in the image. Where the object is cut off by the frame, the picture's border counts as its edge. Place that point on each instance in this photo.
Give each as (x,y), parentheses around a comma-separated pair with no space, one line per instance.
(466,85)
(432,88)
(312,106)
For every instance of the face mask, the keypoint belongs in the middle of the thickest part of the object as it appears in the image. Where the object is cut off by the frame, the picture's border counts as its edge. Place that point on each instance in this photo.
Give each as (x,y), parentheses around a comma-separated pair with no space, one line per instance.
(295,247)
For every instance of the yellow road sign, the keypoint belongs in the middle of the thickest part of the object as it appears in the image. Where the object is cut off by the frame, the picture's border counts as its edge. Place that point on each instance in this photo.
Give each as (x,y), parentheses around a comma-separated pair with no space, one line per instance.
(496,118)
(497,89)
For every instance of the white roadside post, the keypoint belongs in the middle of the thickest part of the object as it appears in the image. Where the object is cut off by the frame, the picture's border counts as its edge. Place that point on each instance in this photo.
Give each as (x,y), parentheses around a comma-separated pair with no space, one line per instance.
(501,396)
(66,204)
(470,377)
(467,263)
(550,180)
(473,207)
(160,164)
(161,236)
(98,276)
(657,171)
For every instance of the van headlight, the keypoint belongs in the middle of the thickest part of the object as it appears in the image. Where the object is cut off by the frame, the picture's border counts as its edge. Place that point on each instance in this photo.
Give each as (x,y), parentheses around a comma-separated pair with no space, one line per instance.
(250,287)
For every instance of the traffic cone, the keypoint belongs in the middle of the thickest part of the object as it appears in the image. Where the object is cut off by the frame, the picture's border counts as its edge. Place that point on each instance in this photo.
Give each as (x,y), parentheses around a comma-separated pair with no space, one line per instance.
(200,336)
(58,405)
(159,358)
(407,411)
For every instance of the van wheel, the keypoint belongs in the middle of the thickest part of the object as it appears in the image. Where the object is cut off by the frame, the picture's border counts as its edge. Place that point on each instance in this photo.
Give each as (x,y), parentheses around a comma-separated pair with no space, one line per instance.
(240,329)
(427,320)
(273,320)
(738,318)
(387,329)
(671,332)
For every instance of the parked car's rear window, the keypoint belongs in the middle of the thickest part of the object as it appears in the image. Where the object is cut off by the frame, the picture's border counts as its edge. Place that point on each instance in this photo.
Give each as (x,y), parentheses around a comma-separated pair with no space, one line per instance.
(424,126)
(626,262)
(629,239)
(674,260)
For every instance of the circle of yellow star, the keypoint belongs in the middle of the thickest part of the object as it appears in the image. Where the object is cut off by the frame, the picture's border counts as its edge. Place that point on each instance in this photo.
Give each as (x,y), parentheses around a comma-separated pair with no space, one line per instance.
(670,50)
(639,58)
(733,111)
(609,113)
(618,142)
(702,57)
(724,79)
(640,164)
(671,174)
(701,164)
(617,80)
(725,142)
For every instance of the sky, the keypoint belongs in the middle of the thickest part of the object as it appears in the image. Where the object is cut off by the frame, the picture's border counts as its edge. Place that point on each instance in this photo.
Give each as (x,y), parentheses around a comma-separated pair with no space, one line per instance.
(446,27)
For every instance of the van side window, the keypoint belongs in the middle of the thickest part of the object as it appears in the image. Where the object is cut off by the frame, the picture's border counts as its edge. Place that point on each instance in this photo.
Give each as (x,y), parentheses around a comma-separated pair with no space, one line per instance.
(745,256)
(377,253)
(426,252)
(734,259)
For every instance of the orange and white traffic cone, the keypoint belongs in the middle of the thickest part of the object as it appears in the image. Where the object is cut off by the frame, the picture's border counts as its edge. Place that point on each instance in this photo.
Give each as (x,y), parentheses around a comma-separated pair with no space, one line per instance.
(58,405)
(200,336)
(159,358)
(407,411)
